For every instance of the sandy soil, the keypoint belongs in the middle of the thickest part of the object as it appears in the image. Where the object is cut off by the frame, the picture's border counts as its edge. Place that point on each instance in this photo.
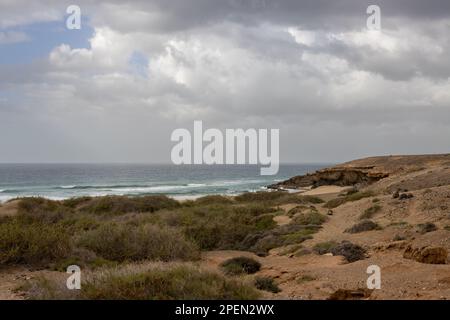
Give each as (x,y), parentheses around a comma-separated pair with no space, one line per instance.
(325,190)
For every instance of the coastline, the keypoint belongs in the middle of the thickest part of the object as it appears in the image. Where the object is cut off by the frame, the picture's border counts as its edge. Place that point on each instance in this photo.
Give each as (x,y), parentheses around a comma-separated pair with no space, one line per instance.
(314,242)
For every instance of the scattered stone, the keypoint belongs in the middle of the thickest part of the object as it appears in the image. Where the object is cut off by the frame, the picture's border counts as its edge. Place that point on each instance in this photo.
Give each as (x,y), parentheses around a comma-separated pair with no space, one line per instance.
(330,212)
(430,255)
(396,194)
(405,196)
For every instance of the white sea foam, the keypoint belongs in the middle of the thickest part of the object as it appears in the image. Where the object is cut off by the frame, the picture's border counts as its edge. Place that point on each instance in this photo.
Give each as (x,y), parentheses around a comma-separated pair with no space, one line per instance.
(6,198)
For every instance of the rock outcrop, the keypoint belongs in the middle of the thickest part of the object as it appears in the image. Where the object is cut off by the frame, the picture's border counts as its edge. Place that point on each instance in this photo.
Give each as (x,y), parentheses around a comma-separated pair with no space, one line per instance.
(431,255)
(363,172)
(339,176)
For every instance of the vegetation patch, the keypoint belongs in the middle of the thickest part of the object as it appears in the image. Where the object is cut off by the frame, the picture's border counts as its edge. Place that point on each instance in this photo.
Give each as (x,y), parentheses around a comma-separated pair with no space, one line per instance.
(365,225)
(305,278)
(120,242)
(333,203)
(266,284)
(311,218)
(240,265)
(351,252)
(34,244)
(146,282)
(370,212)
(324,247)
(293,233)
(213,199)
(277,198)
(426,227)
(124,204)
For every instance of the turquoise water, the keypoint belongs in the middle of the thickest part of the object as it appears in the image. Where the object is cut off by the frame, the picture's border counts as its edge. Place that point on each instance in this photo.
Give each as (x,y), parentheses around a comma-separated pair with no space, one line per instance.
(61,181)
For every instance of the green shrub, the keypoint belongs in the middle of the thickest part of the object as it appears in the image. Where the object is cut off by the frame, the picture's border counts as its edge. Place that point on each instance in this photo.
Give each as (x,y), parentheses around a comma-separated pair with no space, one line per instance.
(266,284)
(75,202)
(42,210)
(213,199)
(305,278)
(146,282)
(324,247)
(426,227)
(292,233)
(120,242)
(32,244)
(125,204)
(359,195)
(365,225)
(310,218)
(277,198)
(260,196)
(297,209)
(370,212)
(333,203)
(351,252)
(80,222)
(312,199)
(240,265)
(264,222)
(219,226)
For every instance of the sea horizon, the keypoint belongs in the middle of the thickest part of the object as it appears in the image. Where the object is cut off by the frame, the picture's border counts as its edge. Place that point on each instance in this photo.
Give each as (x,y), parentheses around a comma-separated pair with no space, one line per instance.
(59,181)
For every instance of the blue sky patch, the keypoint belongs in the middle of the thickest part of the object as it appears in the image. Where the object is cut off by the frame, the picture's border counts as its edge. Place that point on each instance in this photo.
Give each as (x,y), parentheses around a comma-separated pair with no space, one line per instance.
(43,38)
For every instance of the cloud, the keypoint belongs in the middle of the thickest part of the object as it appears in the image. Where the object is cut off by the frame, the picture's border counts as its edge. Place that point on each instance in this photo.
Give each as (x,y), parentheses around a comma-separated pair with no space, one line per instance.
(311,68)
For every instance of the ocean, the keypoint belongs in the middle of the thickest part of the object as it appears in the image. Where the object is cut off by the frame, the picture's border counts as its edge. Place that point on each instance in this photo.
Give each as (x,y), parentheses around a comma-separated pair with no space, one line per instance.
(62,181)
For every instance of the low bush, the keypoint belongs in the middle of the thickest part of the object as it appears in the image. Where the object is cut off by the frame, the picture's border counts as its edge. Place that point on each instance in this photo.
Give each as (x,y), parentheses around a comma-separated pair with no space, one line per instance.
(365,225)
(310,218)
(277,198)
(305,278)
(124,204)
(146,282)
(293,233)
(297,209)
(120,242)
(370,212)
(266,284)
(240,265)
(260,196)
(426,227)
(219,226)
(333,203)
(35,209)
(324,247)
(351,252)
(213,199)
(35,244)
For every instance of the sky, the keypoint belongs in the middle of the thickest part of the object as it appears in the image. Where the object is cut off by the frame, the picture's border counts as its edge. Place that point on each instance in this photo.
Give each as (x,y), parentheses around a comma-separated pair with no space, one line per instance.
(115,90)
